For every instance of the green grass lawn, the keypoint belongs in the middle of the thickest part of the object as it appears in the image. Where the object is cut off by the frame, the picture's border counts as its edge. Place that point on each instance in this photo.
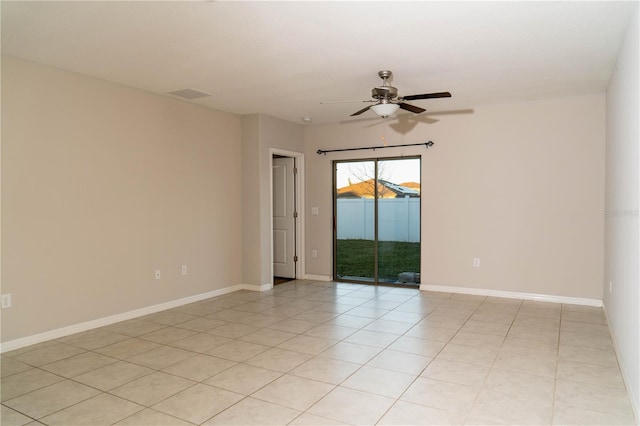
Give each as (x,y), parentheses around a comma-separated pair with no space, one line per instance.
(355,258)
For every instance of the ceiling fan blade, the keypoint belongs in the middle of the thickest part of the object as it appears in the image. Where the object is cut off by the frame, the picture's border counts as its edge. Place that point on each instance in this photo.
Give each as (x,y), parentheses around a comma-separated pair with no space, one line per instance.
(426,96)
(343,102)
(361,111)
(411,108)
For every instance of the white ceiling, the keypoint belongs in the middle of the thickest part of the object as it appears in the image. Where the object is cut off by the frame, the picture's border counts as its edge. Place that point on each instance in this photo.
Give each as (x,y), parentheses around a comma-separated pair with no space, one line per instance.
(284,58)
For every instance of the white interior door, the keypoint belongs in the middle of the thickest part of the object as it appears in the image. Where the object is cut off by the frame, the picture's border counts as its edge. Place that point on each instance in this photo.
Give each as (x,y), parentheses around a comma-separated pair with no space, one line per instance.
(283,218)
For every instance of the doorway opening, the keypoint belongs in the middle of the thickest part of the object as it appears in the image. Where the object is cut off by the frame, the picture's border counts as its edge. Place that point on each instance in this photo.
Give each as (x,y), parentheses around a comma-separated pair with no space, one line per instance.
(377,221)
(286,235)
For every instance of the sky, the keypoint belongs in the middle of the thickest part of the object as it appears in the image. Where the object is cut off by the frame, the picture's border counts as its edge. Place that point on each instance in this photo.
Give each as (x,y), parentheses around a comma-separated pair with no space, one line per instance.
(395,171)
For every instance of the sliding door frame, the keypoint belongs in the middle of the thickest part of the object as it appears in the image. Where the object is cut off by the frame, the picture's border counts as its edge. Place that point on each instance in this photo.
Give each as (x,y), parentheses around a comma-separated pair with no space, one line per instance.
(375,160)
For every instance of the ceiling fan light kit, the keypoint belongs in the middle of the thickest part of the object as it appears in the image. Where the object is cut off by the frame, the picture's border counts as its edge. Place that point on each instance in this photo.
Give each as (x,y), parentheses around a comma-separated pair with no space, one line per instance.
(387,99)
(385,110)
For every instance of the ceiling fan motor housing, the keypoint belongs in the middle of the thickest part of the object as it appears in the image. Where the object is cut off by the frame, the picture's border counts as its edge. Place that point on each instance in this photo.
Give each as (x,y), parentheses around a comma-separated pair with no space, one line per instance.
(384,92)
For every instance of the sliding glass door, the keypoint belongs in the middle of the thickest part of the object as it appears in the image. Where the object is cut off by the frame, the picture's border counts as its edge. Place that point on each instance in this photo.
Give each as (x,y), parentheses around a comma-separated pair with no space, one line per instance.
(377,221)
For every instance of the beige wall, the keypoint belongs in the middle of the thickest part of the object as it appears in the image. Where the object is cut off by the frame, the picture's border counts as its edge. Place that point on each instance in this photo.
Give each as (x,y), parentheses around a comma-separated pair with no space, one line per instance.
(101,185)
(260,134)
(622,301)
(251,249)
(519,185)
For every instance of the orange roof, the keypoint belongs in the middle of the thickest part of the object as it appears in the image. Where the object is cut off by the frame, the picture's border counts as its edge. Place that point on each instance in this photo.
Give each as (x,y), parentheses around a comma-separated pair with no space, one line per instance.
(365,189)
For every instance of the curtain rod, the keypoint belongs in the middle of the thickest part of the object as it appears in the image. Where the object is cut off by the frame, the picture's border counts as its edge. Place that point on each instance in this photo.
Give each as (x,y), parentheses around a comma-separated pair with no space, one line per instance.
(324,151)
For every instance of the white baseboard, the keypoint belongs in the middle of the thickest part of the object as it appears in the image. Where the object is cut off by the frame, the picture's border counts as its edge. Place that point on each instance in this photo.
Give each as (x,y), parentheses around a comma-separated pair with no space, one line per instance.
(318,277)
(513,295)
(632,398)
(263,287)
(101,322)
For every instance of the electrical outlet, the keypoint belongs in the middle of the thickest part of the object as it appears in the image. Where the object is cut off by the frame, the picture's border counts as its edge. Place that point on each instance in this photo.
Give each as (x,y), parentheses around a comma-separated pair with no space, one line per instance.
(476,262)
(314,253)
(184,270)
(157,274)
(610,287)
(6,301)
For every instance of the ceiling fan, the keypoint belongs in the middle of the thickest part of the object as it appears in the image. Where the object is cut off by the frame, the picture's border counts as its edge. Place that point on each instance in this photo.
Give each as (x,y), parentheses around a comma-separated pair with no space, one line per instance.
(387,100)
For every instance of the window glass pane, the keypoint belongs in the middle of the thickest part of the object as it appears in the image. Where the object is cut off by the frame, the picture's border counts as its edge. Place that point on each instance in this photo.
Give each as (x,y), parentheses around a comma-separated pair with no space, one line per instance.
(355,221)
(399,221)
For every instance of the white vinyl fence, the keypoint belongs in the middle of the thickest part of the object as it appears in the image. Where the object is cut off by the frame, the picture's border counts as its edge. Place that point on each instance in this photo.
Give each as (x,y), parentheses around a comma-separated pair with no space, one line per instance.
(398,219)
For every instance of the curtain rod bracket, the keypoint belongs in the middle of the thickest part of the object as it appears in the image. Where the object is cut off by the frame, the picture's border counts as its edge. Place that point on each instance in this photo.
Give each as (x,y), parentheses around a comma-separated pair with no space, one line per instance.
(324,151)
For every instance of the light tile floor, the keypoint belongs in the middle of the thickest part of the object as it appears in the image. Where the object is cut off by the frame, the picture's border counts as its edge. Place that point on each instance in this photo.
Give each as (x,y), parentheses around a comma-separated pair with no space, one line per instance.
(310,353)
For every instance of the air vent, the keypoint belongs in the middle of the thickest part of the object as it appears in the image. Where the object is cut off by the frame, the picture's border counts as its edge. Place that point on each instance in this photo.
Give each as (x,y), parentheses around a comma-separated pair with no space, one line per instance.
(190,94)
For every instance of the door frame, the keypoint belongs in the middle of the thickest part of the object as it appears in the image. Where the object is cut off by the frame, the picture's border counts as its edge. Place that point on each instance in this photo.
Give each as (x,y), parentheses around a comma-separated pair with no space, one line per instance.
(299,207)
